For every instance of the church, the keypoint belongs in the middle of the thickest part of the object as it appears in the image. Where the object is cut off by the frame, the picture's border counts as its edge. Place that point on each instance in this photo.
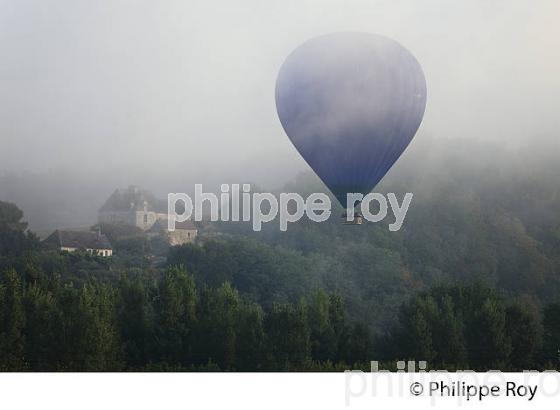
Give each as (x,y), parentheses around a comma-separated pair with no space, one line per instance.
(134,206)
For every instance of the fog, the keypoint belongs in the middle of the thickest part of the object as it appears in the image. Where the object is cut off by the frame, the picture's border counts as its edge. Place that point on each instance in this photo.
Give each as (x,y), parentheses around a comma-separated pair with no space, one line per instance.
(96,95)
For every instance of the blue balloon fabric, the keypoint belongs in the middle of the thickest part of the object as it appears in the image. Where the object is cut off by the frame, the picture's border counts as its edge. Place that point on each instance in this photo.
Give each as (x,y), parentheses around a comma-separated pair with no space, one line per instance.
(350,103)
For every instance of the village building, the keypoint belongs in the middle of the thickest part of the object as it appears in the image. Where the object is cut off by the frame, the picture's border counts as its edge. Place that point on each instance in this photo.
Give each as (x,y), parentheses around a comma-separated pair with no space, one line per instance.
(70,241)
(133,206)
(185,232)
(140,208)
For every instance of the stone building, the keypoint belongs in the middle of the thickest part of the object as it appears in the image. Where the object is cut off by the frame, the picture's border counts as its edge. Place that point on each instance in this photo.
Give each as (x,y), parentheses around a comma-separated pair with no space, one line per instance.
(70,241)
(185,232)
(140,208)
(133,206)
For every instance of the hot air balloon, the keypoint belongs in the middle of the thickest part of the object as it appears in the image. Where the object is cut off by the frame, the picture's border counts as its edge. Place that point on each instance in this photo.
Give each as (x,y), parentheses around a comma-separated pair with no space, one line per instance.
(350,103)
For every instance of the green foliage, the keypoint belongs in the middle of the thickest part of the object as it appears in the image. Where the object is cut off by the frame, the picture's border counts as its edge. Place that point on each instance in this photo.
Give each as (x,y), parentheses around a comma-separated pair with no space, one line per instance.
(134,315)
(264,273)
(165,324)
(551,326)
(41,312)
(168,324)
(11,218)
(313,298)
(219,317)
(523,327)
(175,311)
(12,323)
(17,247)
(467,327)
(288,336)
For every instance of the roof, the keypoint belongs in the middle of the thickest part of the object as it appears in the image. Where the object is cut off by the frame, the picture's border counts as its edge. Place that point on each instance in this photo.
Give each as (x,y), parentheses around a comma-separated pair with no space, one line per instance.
(133,198)
(79,240)
(157,227)
(160,226)
(186,225)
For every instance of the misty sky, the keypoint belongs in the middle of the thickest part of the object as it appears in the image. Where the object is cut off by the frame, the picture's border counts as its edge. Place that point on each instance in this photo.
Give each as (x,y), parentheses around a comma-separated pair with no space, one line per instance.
(186,88)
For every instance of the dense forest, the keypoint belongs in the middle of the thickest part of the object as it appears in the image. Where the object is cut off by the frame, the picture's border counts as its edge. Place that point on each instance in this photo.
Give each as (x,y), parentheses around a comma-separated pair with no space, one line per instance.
(246,306)
(471,281)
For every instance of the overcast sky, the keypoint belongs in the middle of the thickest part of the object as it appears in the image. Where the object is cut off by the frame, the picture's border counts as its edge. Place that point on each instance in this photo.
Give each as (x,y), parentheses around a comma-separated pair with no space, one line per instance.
(147,89)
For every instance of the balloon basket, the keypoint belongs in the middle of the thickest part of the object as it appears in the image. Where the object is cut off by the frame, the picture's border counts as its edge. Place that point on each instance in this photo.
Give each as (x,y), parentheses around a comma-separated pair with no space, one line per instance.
(358,220)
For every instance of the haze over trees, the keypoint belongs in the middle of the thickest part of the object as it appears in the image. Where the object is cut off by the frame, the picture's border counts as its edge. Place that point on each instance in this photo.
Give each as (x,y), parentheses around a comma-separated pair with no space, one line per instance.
(472,280)
(315,298)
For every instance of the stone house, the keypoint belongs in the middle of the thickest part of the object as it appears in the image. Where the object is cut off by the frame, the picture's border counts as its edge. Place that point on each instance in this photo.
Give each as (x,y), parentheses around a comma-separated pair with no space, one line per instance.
(133,206)
(140,208)
(185,232)
(70,241)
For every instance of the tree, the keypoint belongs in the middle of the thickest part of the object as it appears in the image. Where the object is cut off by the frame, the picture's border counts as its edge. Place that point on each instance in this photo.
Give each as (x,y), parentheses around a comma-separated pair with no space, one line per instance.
(323,339)
(337,318)
(98,338)
(490,345)
(415,333)
(523,331)
(133,318)
(358,345)
(448,338)
(40,334)
(14,242)
(12,322)
(85,328)
(11,218)
(250,338)
(551,334)
(176,316)
(219,321)
(287,330)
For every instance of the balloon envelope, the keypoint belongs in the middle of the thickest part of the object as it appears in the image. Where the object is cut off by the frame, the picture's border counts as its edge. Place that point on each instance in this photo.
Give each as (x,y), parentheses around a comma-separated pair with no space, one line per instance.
(350,103)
